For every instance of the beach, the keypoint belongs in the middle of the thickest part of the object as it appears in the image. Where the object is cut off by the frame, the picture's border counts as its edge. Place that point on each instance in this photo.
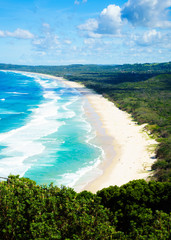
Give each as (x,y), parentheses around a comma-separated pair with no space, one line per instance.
(128,149)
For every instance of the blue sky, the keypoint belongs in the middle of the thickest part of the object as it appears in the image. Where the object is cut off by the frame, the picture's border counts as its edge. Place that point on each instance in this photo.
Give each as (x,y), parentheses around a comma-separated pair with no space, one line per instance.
(62,32)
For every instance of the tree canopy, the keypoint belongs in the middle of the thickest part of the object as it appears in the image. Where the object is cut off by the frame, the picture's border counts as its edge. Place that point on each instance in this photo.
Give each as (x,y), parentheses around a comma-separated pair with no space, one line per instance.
(137,210)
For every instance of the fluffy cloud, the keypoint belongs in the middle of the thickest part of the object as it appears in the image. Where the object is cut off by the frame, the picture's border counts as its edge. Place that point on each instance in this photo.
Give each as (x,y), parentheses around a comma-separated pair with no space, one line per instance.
(18,33)
(2,33)
(140,13)
(149,13)
(46,42)
(89,41)
(76,2)
(151,37)
(109,22)
(47,39)
(67,41)
(90,25)
(46,25)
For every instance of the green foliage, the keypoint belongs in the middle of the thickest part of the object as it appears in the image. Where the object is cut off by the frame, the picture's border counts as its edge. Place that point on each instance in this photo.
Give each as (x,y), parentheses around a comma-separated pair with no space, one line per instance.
(138,207)
(29,211)
(137,210)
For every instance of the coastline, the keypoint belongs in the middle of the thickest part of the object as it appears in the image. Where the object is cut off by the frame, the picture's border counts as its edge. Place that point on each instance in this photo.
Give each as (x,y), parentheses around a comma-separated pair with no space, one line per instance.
(129,151)
(126,145)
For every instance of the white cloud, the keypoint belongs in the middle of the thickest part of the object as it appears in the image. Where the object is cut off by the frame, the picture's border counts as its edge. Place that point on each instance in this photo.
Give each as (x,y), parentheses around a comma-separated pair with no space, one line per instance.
(67,41)
(76,2)
(74,48)
(150,36)
(47,41)
(150,13)
(2,33)
(18,33)
(90,25)
(89,41)
(108,22)
(56,39)
(140,13)
(46,25)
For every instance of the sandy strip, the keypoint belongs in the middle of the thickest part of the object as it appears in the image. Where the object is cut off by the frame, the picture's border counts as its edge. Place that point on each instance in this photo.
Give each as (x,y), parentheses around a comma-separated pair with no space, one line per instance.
(129,151)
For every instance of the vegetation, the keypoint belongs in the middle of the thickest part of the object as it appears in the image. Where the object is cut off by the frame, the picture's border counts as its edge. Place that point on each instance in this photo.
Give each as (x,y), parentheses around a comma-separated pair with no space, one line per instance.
(137,210)
(75,69)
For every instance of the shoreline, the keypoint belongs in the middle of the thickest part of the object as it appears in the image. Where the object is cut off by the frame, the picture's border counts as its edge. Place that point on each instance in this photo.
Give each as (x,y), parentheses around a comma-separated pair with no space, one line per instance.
(129,151)
(125,144)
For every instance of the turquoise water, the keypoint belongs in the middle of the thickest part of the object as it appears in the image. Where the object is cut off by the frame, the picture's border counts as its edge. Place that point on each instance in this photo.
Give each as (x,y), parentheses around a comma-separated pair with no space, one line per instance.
(44,134)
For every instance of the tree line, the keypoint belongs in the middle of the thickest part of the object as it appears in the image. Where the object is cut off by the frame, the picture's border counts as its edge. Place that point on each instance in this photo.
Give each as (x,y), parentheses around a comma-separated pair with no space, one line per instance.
(136,210)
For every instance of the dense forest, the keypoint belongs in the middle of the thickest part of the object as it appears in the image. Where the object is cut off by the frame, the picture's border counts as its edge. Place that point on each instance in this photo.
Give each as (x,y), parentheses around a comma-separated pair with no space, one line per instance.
(136,210)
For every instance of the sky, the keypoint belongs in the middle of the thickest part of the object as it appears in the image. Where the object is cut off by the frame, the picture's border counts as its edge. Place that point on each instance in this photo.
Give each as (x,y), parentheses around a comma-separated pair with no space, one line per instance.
(63,32)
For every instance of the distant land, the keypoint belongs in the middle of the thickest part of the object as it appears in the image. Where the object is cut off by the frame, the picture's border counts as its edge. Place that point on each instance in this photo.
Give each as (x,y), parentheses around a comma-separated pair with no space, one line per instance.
(91,68)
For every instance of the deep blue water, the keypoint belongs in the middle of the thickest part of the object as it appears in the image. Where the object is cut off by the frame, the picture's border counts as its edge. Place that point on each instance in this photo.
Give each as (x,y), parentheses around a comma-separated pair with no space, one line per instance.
(44,134)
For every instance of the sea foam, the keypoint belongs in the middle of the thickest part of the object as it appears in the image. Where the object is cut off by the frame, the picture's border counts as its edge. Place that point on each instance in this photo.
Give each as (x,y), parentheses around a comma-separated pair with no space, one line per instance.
(43,149)
(23,142)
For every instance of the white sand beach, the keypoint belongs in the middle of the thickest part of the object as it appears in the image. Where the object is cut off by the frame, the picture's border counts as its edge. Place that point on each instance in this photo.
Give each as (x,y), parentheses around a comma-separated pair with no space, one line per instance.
(129,151)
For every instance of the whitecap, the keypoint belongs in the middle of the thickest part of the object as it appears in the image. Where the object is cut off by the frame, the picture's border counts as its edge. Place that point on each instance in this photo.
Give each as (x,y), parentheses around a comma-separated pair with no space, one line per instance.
(25,142)
(10,112)
(17,93)
(82,176)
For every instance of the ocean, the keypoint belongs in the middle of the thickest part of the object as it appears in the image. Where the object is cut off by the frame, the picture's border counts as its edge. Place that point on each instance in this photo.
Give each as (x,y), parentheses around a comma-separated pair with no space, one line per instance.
(44,132)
